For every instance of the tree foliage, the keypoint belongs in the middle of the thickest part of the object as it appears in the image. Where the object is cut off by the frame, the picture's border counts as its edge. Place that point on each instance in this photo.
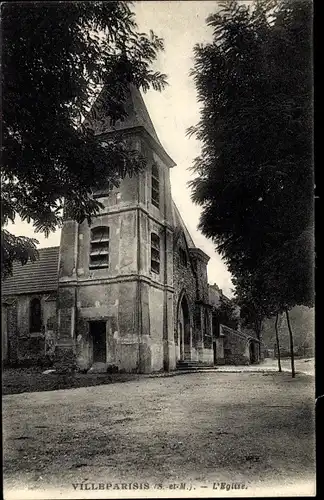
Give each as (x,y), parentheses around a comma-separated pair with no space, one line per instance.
(55,58)
(254,176)
(225,313)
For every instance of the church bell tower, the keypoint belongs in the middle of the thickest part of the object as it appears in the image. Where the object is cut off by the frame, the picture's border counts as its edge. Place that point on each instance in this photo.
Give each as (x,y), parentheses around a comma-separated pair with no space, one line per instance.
(115,306)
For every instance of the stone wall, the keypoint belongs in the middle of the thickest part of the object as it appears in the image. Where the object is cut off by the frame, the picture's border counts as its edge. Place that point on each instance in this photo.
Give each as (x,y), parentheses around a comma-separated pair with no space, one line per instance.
(239,348)
(191,279)
(9,334)
(184,278)
(4,334)
(236,350)
(219,346)
(116,305)
(22,344)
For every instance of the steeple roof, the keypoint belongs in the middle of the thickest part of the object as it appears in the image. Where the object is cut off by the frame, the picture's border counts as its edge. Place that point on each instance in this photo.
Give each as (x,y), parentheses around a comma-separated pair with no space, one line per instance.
(137,118)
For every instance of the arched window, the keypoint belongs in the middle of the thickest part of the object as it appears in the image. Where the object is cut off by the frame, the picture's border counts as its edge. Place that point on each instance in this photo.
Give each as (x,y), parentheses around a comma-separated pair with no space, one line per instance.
(99,247)
(155,253)
(155,194)
(35,311)
(183,257)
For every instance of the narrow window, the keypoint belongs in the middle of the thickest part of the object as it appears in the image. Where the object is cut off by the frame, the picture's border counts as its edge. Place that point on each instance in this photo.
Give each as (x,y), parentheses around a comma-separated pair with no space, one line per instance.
(35,324)
(155,253)
(155,195)
(99,247)
(183,257)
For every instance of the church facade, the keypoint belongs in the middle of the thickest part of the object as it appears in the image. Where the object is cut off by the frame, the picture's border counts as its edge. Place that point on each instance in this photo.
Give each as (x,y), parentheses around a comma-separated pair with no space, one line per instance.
(131,289)
(127,293)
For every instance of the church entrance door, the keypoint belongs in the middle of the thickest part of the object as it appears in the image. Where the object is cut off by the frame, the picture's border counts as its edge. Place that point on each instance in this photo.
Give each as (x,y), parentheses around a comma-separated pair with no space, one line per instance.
(180,334)
(184,330)
(98,335)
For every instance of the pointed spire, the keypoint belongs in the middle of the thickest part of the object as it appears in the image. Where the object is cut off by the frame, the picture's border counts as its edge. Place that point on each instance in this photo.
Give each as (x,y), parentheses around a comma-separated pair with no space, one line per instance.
(137,117)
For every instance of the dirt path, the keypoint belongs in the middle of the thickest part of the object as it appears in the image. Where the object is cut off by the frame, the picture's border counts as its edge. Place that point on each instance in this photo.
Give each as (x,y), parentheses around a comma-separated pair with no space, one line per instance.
(303,365)
(199,429)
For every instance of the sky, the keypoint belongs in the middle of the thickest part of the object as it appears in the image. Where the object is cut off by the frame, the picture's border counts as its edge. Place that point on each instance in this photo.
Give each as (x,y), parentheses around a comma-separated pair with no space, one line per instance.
(181,24)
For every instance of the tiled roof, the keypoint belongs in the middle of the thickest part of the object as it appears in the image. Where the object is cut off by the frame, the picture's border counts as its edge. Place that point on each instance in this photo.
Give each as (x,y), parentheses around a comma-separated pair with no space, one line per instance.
(227,331)
(34,277)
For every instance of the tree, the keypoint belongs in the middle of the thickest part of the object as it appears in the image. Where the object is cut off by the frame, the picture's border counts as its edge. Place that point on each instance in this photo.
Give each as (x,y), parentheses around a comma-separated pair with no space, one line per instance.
(302,323)
(254,176)
(278,342)
(258,299)
(56,57)
(225,313)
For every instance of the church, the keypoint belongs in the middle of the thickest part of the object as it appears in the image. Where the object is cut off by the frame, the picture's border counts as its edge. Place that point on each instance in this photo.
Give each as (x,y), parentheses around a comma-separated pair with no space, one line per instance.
(129,292)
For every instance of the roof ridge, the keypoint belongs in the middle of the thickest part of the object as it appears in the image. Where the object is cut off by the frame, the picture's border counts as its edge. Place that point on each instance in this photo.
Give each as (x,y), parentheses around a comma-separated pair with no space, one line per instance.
(47,248)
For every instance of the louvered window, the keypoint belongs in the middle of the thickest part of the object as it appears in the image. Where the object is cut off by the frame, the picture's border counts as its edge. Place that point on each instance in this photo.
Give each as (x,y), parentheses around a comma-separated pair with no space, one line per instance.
(99,247)
(155,253)
(155,195)
(103,192)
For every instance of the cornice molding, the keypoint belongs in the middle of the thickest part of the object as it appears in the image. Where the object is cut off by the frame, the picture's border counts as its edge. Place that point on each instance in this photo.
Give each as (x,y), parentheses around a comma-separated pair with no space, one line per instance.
(113,280)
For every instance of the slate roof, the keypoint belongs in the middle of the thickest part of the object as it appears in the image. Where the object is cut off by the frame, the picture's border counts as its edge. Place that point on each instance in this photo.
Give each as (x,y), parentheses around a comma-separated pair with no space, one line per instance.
(227,331)
(137,119)
(137,115)
(180,223)
(34,277)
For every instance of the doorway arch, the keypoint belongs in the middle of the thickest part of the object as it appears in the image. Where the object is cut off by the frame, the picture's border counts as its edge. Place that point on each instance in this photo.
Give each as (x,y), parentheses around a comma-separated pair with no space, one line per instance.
(184,328)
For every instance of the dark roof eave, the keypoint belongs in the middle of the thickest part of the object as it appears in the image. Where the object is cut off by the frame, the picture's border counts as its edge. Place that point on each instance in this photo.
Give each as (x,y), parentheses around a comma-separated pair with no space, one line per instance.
(160,151)
(39,291)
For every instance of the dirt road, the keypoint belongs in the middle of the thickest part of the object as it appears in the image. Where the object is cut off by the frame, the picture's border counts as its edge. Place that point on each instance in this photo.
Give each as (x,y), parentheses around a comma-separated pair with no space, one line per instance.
(302,365)
(247,430)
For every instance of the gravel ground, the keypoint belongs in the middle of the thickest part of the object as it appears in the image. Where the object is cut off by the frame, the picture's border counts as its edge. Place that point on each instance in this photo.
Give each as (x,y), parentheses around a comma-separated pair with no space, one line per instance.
(213,430)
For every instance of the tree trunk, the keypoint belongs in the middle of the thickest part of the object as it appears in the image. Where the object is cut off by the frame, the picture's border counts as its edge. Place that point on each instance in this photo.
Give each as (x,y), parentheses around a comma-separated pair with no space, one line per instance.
(291,346)
(258,327)
(278,344)
(259,337)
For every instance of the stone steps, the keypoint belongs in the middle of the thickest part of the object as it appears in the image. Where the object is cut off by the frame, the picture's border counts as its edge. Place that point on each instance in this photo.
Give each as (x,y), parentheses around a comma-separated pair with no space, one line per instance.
(192,365)
(98,367)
